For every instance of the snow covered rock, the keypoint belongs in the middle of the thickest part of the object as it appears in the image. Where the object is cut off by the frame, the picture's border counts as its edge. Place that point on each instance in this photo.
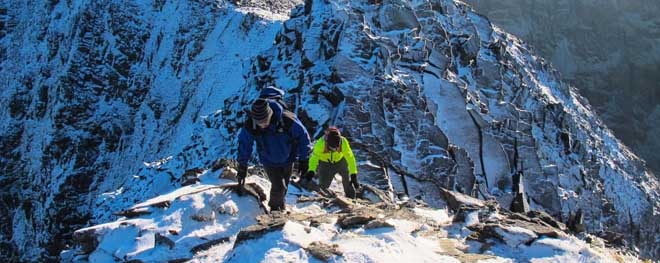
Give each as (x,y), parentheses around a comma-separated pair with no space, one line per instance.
(319,229)
(191,222)
(110,103)
(456,79)
(607,50)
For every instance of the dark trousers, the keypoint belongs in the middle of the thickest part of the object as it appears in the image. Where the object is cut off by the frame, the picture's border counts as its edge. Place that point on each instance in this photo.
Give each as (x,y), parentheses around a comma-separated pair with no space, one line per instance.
(279,183)
(327,173)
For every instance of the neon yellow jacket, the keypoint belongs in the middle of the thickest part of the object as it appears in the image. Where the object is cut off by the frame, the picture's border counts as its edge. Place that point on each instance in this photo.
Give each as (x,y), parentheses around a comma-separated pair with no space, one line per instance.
(320,153)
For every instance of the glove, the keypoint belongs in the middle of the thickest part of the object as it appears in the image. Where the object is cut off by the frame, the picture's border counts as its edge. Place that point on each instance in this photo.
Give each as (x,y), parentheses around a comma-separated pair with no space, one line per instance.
(354,181)
(242,173)
(302,168)
(309,175)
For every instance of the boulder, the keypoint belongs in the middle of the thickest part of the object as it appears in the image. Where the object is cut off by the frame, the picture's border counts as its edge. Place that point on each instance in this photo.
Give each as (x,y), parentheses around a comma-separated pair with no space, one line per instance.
(207,245)
(323,251)
(355,220)
(191,176)
(455,200)
(258,230)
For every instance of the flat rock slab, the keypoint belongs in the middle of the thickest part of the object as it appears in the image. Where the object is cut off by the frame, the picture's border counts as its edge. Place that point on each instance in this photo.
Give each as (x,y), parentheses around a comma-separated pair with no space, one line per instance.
(258,230)
(323,251)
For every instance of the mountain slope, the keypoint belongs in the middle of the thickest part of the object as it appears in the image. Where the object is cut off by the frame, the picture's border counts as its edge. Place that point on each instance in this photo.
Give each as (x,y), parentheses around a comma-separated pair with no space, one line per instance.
(608,50)
(121,102)
(419,84)
(96,88)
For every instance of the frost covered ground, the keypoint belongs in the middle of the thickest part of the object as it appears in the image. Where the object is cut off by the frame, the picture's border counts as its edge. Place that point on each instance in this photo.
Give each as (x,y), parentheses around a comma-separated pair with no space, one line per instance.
(210,222)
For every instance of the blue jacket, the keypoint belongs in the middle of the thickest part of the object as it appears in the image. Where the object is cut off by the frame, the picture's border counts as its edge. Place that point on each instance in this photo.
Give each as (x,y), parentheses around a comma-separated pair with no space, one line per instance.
(275,146)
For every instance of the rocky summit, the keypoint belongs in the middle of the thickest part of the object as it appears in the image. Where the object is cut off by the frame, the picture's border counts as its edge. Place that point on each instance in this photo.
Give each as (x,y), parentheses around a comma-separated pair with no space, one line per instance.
(114,104)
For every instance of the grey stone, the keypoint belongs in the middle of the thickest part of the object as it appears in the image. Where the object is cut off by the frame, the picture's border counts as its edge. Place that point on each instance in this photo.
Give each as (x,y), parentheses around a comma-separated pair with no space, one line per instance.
(323,251)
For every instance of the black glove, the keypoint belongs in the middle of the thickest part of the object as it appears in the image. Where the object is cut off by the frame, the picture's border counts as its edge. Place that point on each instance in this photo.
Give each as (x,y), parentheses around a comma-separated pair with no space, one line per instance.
(354,181)
(309,175)
(242,173)
(302,167)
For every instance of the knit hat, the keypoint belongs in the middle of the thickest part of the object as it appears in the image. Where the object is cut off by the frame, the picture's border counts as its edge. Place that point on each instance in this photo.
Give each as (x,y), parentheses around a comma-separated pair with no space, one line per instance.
(333,138)
(261,111)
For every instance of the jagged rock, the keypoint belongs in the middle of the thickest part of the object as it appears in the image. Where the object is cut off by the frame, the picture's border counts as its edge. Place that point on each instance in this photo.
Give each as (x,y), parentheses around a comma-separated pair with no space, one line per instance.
(163,240)
(575,222)
(258,230)
(220,162)
(511,235)
(131,213)
(163,204)
(208,245)
(612,238)
(205,214)
(351,221)
(545,193)
(191,176)
(456,200)
(381,195)
(464,174)
(546,218)
(323,251)
(87,239)
(344,202)
(539,227)
(311,185)
(519,203)
(378,223)
(320,199)
(514,229)
(397,17)
(465,211)
(252,189)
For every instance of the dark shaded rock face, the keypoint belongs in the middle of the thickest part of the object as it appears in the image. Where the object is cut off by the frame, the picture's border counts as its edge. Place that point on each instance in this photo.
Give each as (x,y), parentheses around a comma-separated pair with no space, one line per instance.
(609,51)
(105,96)
(90,89)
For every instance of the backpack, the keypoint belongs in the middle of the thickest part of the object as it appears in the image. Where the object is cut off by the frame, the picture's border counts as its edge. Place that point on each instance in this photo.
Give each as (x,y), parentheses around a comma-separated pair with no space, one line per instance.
(275,94)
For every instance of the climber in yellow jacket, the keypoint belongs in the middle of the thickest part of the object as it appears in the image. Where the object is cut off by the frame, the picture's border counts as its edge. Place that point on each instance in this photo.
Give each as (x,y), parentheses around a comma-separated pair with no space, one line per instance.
(333,155)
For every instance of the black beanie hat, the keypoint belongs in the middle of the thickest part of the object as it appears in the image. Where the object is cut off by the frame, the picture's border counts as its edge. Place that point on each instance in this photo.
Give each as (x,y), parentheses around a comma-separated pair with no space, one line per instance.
(261,110)
(333,137)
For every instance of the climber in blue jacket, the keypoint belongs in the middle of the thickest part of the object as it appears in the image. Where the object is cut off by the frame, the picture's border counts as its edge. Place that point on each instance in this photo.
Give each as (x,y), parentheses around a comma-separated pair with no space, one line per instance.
(281,139)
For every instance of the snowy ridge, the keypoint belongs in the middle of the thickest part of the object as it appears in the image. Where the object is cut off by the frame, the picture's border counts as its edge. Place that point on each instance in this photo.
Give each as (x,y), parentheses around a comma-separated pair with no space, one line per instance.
(121,103)
(210,222)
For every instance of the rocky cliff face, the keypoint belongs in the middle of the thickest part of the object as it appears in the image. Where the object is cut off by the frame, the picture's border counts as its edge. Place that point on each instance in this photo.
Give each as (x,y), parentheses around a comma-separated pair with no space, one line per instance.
(93,89)
(423,83)
(109,101)
(609,50)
